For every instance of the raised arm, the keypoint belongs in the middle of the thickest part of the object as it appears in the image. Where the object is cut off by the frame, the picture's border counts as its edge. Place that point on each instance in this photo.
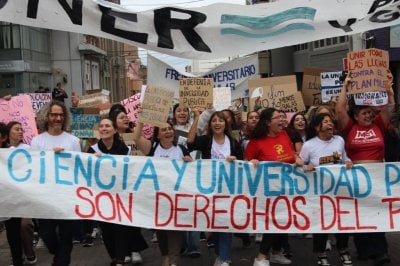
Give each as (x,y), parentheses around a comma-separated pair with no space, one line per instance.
(193,129)
(342,117)
(143,144)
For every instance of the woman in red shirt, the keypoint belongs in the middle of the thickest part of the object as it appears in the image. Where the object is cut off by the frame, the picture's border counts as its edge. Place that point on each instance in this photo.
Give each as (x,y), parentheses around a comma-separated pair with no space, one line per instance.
(270,142)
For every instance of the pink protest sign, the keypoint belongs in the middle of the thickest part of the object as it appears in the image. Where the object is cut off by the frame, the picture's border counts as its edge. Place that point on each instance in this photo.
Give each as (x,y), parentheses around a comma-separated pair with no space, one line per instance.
(19,108)
(131,105)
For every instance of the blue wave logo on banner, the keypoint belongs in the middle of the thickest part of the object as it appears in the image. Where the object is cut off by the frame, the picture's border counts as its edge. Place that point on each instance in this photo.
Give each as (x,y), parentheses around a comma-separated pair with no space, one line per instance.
(269,22)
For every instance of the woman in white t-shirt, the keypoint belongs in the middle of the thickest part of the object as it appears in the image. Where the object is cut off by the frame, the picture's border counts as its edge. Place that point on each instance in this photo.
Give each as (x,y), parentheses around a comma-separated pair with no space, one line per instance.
(163,145)
(325,148)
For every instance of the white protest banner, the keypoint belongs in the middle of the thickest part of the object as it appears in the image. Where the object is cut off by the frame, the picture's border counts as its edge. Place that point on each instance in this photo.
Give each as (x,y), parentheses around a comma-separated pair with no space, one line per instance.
(196,92)
(19,108)
(156,106)
(204,195)
(267,92)
(330,85)
(233,74)
(131,105)
(38,100)
(368,70)
(371,98)
(206,32)
(222,98)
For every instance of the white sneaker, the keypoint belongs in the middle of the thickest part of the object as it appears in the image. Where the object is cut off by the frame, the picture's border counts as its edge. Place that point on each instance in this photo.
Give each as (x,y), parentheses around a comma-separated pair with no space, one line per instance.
(127,259)
(40,244)
(279,258)
(95,232)
(136,258)
(225,263)
(217,262)
(258,238)
(261,262)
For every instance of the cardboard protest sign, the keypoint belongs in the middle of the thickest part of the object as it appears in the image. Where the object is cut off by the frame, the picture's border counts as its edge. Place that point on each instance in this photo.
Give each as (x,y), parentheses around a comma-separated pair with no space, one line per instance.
(131,105)
(99,100)
(292,103)
(156,106)
(38,100)
(371,98)
(19,108)
(196,92)
(205,195)
(368,70)
(85,122)
(268,92)
(311,86)
(331,85)
(222,98)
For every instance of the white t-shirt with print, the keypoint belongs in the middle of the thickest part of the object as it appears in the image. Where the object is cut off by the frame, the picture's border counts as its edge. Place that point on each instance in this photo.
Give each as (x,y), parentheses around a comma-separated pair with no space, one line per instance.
(221,151)
(175,152)
(45,141)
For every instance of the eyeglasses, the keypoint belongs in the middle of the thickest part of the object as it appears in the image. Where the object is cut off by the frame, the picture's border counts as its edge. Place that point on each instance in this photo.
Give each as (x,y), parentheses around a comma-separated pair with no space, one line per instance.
(276,117)
(56,114)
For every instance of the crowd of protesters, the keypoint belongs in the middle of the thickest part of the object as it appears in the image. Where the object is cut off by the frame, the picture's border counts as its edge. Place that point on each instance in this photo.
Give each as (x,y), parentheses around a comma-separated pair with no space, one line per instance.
(325,135)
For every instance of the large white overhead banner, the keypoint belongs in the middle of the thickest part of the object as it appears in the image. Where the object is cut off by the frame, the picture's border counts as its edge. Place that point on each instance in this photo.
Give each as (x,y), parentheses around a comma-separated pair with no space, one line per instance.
(208,32)
(233,74)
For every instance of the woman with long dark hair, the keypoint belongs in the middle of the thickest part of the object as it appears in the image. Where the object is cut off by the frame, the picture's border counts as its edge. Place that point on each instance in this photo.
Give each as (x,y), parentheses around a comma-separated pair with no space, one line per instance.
(268,134)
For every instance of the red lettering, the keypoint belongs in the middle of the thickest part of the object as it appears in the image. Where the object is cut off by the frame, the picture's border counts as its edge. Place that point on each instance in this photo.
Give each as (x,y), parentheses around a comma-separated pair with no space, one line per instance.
(171,205)
(260,213)
(391,211)
(216,211)
(177,209)
(120,206)
(301,214)
(234,224)
(358,219)
(79,192)
(202,209)
(274,210)
(323,214)
(111,200)
(341,212)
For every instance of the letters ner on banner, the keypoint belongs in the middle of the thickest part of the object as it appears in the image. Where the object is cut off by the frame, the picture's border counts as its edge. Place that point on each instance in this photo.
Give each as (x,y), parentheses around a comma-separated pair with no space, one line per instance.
(268,92)
(206,32)
(156,106)
(204,195)
(368,70)
(196,92)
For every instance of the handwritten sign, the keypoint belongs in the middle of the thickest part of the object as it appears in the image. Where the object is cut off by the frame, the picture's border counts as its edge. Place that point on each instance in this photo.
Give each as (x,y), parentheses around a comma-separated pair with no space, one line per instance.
(19,108)
(156,105)
(268,92)
(222,98)
(368,70)
(205,195)
(131,105)
(85,122)
(331,85)
(38,100)
(196,92)
(99,100)
(292,103)
(311,86)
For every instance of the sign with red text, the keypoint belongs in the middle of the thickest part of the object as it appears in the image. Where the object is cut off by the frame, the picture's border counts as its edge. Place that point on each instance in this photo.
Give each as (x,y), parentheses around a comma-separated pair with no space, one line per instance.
(368,70)
(196,92)
(131,105)
(204,195)
(268,92)
(19,108)
(311,86)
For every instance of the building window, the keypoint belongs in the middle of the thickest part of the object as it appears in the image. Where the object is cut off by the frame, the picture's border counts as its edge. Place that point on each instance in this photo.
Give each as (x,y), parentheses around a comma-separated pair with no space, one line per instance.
(9,36)
(301,47)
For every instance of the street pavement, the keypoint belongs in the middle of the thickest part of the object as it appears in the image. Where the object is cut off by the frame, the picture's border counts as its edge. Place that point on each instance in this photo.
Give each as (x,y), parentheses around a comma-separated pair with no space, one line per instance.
(301,248)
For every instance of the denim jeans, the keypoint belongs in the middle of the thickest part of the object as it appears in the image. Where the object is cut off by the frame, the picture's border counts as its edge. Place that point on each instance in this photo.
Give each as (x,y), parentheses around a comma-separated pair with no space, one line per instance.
(192,242)
(223,242)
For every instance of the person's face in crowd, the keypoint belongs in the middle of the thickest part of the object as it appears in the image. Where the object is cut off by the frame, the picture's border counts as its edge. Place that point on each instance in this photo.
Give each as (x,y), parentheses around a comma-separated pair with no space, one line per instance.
(106,129)
(217,125)
(122,121)
(16,133)
(284,120)
(276,124)
(56,118)
(299,123)
(252,119)
(181,115)
(166,134)
(228,117)
(364,117)
(325,129)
